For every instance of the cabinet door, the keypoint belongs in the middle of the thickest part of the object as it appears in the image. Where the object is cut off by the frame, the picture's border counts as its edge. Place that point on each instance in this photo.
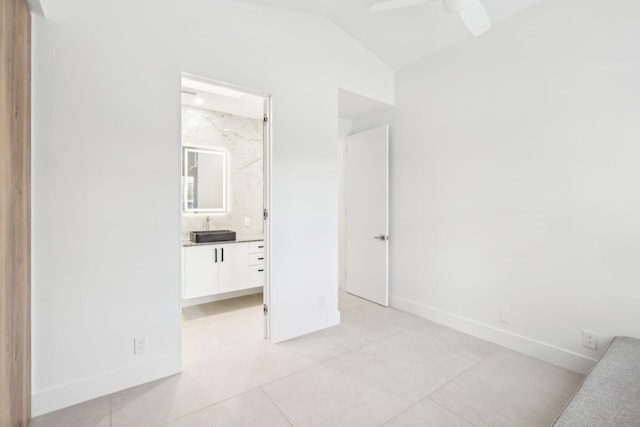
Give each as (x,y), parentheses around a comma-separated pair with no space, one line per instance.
(200,271)
(233,261)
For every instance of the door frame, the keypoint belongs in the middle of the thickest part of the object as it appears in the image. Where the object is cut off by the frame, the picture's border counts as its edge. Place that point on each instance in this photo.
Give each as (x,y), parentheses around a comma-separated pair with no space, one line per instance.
(266,230)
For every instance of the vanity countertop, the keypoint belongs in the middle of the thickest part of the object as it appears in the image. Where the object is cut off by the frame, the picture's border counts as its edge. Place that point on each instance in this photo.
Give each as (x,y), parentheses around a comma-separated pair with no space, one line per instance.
(225,242)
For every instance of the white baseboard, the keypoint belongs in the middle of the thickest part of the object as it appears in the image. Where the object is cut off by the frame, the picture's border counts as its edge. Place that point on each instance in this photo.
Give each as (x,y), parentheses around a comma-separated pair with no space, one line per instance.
(538,349)
(294,330)
(219,297)
(50,400)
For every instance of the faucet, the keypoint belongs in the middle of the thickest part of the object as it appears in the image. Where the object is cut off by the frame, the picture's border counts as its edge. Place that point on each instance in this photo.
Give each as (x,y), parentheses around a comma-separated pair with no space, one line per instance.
(208,221)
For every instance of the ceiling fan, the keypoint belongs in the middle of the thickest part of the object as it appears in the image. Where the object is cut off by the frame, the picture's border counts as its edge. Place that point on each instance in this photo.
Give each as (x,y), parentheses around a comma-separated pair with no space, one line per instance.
(472,12)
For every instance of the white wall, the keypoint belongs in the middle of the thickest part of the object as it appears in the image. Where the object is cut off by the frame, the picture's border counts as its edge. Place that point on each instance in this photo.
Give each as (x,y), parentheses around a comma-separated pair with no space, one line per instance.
(374,120)
(106,178)
(515,178)
(344,129)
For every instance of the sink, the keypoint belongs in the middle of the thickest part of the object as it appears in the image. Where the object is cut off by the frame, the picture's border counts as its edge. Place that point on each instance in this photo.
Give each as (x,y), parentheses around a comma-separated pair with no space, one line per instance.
(212,236)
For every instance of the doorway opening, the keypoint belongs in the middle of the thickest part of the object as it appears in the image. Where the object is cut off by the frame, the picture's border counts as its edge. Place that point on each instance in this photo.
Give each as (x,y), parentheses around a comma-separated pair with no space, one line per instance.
(363,199)
(224,157)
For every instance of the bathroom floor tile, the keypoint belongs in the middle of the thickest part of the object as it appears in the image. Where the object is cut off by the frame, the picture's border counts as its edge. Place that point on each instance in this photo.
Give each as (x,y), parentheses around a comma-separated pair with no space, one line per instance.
(252,408)
(207,327)
(427,413)
(207,310)
(509,389)
(202,337)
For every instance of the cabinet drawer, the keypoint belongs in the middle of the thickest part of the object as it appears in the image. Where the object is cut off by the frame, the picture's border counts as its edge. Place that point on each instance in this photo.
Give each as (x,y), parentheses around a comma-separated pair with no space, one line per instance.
(256,259)
(256,276)
(256,247)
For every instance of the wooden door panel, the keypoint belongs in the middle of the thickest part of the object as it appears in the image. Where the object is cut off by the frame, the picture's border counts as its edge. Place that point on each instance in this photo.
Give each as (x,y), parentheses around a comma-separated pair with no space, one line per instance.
(15,213)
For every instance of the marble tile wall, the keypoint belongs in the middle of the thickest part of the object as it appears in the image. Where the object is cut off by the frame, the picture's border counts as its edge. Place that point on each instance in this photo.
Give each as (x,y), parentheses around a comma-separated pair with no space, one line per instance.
(241,138)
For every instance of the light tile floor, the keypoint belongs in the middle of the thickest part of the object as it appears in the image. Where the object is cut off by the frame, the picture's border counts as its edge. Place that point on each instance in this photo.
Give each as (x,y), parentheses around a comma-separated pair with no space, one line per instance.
(379,367)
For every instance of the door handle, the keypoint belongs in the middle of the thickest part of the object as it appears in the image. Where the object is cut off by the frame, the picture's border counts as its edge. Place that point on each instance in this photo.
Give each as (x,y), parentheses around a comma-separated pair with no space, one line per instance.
(222,250)
(381,237)
(215,251)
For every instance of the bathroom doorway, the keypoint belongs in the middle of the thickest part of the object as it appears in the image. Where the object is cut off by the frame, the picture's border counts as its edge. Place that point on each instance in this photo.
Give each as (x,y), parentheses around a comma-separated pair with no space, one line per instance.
(224,199)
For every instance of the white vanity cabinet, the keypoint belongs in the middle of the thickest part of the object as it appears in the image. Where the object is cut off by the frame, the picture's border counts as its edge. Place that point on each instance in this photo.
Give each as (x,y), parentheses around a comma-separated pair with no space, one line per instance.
(218,268)
(200,271)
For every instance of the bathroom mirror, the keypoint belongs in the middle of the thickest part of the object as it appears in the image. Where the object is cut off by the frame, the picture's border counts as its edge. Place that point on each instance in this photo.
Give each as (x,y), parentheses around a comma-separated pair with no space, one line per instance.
(204,180)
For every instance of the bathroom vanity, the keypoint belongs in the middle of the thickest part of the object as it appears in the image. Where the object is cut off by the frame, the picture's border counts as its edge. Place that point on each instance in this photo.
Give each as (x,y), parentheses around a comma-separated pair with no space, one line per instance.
(220,267)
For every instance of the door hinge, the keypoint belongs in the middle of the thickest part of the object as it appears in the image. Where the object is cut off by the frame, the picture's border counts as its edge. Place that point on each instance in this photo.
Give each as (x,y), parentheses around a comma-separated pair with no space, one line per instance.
(265,119)
(265,309)
(265,214)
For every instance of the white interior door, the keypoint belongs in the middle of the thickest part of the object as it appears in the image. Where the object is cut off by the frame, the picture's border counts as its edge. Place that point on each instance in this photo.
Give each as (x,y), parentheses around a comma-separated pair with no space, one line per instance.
(367,216)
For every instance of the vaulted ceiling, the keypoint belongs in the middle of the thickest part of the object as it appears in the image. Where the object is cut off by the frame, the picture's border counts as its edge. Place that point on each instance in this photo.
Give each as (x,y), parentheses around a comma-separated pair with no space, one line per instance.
(399,37)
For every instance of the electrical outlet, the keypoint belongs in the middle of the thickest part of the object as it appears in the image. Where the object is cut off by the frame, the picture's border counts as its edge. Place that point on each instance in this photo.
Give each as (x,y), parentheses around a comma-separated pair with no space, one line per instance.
(505,316)
(590,340)
(247,221)
(321,302)
(140,345)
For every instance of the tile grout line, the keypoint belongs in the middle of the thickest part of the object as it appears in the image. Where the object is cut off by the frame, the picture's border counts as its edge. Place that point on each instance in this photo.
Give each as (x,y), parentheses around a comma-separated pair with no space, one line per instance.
(347,351)
(260,386)
(313,365)
(448,410)
(453,379)
(207,406)
(427,396)
(401,412)
(458,376)
(377,339)
(276,406)
(343,354)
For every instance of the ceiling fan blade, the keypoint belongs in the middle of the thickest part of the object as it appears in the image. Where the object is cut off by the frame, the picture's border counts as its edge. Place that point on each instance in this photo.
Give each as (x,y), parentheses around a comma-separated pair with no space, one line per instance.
(475,18)
(394,4)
